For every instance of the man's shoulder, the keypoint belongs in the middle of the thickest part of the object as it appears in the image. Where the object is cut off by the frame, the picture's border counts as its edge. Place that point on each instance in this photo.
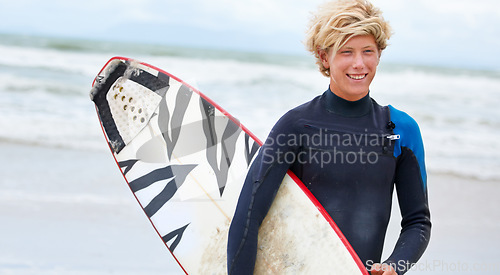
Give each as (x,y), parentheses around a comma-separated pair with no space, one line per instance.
(305,108)
(404,121)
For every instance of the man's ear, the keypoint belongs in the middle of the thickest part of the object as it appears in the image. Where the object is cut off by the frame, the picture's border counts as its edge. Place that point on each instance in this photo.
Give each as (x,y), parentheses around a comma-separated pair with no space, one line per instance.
(323,56)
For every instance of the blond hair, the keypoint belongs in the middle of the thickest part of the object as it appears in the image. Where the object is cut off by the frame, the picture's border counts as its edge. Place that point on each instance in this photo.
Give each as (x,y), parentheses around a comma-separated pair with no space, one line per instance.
(338,21)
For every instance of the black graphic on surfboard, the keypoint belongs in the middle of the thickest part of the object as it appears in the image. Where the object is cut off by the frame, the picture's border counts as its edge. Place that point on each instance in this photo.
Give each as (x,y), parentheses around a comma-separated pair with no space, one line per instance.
(177,234)
(170,124)
(227,143)
(250,152)
(176,173)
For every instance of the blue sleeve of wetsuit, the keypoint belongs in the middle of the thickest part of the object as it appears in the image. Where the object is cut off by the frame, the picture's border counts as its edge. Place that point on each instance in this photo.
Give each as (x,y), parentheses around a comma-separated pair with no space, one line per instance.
(411,188)
(261,185)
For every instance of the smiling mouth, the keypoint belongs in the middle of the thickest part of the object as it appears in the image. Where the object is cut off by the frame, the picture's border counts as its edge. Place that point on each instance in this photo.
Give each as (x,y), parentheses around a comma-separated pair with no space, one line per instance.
(357,76)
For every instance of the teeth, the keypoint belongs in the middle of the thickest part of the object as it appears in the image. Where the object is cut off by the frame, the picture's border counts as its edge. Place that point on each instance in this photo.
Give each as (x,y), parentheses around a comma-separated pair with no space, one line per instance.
(357,77)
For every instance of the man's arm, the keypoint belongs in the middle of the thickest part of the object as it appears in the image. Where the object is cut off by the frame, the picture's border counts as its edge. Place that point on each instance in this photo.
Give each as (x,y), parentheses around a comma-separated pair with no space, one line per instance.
(261,185)
(411,188)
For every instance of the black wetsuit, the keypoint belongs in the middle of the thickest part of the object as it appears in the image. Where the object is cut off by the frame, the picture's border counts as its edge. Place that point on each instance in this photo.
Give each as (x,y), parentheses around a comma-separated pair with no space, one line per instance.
(350,155)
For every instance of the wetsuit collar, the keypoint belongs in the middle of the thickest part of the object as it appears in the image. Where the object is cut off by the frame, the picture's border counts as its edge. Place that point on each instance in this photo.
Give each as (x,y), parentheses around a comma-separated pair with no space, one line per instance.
(340,106)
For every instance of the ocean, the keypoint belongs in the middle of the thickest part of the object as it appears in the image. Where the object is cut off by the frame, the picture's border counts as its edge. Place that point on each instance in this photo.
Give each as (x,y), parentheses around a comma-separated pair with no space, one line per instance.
(44,86)
(65,208)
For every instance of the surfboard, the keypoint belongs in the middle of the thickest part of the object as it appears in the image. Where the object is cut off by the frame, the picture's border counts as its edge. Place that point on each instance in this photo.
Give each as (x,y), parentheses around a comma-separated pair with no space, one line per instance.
(185,160)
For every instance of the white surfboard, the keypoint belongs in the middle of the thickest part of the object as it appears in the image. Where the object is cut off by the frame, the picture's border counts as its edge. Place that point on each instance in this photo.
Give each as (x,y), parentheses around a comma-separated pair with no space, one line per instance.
(185,160)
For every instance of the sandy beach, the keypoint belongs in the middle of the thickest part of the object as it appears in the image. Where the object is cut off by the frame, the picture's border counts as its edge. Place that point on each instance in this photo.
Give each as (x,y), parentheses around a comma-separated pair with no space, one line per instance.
(67,211)
(465,222)
(70,212)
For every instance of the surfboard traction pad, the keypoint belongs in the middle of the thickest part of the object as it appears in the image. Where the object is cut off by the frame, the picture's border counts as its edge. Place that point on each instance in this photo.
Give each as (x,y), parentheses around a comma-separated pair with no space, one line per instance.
(185,160)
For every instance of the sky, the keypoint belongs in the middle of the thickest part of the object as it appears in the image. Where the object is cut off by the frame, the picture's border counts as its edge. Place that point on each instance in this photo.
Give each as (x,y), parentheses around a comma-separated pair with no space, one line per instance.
(449,33)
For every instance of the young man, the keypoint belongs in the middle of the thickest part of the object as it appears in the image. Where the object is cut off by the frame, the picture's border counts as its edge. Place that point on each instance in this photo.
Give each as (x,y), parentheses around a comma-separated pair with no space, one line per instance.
(366,150)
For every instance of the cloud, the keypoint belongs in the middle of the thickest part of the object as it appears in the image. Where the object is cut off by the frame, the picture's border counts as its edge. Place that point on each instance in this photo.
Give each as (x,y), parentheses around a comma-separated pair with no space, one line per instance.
(432,31)
(444,32)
